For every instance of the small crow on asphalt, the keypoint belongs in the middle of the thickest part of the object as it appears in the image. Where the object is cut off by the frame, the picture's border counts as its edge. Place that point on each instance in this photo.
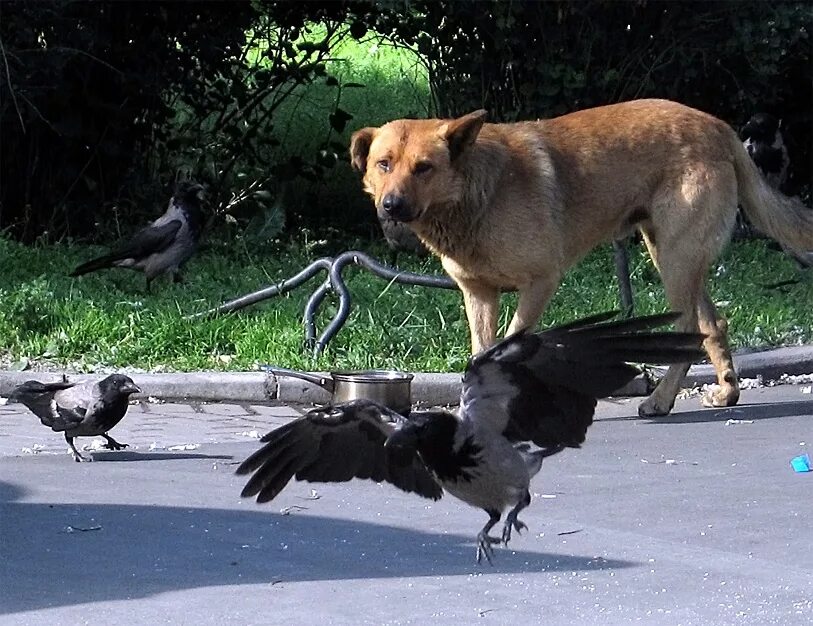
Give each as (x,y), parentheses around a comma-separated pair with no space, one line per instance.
(83,409)
(535,388)
(163,246)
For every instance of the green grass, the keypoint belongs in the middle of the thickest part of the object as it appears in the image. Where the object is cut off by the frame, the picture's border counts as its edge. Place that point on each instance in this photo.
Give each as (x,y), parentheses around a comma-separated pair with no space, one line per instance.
(106,319)
(394,85)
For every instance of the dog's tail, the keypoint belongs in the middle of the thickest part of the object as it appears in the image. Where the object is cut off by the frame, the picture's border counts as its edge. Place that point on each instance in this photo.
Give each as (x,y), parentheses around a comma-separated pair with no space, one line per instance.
(784,219)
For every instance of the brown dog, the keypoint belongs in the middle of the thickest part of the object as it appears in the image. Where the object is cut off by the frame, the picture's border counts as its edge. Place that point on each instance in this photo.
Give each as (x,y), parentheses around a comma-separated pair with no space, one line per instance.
(513,206)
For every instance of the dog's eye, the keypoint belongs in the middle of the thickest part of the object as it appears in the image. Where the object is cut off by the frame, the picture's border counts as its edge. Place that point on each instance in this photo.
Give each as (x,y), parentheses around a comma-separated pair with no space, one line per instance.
(383,165)
(422,167)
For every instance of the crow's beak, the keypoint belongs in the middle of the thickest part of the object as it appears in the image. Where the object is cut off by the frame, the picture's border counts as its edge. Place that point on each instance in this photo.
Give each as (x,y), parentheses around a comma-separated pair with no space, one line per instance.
(130,388)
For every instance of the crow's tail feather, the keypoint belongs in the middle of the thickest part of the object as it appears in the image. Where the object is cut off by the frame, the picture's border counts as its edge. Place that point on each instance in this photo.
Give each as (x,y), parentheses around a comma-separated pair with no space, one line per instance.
(94,265)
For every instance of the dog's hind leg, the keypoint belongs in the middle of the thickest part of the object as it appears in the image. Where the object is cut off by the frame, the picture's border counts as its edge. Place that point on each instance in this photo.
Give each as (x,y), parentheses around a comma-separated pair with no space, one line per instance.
(685,234)
(715,328)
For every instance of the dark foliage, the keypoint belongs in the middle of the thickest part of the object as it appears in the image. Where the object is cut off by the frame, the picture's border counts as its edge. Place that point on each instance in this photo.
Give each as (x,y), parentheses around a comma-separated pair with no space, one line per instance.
(102,104)
(525,60)
(82,101)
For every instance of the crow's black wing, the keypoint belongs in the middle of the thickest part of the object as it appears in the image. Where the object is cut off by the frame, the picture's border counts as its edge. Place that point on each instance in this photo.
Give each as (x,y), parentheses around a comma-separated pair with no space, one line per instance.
(149,240)
(543,386)
(336,444)
(145,242)
(67,418)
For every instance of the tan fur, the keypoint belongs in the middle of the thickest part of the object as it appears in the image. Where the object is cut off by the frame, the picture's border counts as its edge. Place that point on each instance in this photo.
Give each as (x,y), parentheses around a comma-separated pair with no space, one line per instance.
(513,206)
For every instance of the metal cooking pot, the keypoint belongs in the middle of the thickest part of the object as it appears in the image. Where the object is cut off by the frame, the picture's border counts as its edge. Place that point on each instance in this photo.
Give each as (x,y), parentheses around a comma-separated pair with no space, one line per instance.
(387,387)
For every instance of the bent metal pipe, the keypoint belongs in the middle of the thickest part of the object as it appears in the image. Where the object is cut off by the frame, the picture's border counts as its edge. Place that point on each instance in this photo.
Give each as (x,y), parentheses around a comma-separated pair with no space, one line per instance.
(335,282)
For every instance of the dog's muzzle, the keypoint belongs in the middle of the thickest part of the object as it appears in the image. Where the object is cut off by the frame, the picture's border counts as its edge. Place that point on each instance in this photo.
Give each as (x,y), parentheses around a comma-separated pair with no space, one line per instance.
(395,207)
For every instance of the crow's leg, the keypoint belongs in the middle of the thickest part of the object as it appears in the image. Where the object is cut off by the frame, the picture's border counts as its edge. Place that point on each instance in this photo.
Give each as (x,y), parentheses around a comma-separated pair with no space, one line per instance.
(484,540)
(511,520)
(76,456)
(112,444)
(176,276)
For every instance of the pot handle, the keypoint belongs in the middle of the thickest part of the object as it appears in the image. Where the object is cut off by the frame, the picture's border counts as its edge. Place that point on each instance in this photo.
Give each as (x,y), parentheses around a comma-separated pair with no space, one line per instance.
(323,382)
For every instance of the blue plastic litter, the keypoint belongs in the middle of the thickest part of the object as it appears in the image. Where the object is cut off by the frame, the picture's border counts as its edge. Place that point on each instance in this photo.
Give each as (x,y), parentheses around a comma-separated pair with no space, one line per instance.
(801,463)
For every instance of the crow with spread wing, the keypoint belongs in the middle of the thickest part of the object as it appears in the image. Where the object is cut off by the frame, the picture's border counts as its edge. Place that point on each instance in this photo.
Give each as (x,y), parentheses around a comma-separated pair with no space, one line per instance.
(528,397)
(163,246)
(82,409)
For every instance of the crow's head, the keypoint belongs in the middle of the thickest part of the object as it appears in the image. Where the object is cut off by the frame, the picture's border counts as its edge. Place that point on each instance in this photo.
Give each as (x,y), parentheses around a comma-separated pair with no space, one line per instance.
(761,127)
(188,191)
(118,385)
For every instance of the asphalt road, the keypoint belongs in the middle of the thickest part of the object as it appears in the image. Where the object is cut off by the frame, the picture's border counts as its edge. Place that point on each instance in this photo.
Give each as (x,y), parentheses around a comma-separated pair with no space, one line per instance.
(682,520)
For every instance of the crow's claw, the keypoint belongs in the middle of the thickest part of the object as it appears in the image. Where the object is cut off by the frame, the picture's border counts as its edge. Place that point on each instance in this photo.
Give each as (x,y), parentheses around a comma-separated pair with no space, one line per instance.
(484,543)
(112,444)
(512,522)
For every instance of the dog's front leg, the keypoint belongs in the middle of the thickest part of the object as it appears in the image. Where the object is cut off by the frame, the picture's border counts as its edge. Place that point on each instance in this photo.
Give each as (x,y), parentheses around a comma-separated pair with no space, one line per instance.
(533,298)
(482,309)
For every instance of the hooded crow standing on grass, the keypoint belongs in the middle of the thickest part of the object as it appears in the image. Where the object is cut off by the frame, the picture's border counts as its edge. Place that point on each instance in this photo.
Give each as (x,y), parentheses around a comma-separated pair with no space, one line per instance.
(83,409)
(537,388)
(163,246)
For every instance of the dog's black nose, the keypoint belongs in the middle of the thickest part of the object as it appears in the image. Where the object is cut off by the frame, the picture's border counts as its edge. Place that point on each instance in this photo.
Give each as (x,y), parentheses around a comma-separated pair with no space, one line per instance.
(396,206)
(392,204)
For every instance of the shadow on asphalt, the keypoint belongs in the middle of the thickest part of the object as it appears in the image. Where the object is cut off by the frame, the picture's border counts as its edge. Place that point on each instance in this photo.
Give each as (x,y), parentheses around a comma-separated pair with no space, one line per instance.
(130,551)
(740,412)
(120,455)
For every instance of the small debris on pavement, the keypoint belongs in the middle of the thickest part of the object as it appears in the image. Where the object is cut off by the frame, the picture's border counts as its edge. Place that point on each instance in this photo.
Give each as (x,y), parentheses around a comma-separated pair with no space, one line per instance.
(752,383)
(570,532)
(294,507)
(185,446)
(314,495)
(155,446)
(35,449)
(667,462)
(733,422)
(250,433)
(3,401)
(74,529)
(798,379)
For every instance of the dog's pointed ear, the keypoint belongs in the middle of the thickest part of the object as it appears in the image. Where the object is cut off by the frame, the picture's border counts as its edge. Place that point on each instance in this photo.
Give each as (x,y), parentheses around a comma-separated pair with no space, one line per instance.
(360,148)
(462,132)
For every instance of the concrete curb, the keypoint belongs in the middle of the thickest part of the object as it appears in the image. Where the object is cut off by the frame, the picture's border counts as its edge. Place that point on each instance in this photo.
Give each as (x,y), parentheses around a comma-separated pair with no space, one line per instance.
(427,388)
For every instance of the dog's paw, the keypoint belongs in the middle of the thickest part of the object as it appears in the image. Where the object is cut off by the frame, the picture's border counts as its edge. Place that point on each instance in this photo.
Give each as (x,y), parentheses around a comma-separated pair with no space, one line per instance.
(654,407)
(721,396)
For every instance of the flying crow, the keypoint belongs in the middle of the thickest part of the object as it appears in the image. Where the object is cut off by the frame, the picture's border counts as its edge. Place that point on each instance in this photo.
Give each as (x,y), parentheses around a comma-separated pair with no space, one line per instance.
(163,246)
(79,409)
(524,399)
